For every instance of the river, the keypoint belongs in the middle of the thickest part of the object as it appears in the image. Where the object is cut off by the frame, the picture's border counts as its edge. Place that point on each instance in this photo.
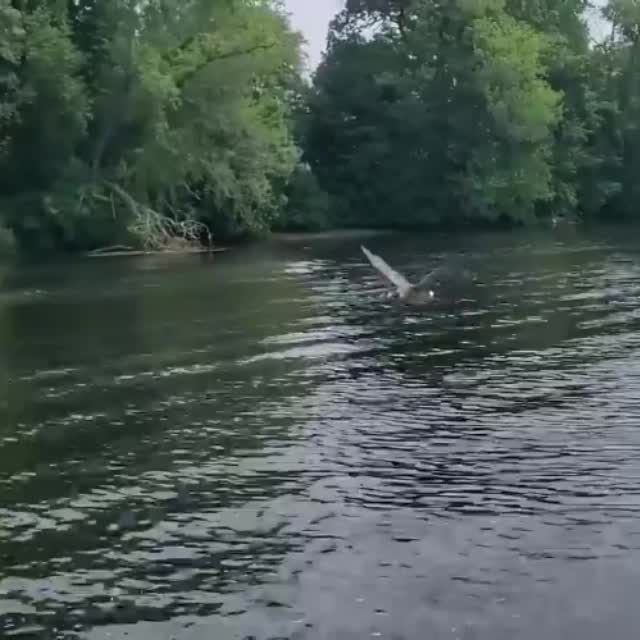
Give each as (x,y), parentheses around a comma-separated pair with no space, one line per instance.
(259,446)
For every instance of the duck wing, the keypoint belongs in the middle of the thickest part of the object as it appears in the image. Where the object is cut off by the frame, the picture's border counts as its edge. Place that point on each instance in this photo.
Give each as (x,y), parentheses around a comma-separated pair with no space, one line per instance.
(397,280)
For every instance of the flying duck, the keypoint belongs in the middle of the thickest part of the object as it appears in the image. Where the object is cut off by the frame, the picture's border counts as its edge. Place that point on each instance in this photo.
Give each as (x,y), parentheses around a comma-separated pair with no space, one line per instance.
(433,285)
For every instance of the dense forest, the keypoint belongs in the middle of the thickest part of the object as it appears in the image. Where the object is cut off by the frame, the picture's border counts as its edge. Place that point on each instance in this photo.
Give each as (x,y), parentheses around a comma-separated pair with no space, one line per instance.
(160,123)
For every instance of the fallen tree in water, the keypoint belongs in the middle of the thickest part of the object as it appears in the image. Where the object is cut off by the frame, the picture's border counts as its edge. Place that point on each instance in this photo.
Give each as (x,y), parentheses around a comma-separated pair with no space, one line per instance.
(159,232)
(156,233)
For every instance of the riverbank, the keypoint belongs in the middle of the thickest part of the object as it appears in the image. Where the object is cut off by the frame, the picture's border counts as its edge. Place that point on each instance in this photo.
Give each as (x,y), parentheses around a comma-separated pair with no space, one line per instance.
(122,251)
(333,234)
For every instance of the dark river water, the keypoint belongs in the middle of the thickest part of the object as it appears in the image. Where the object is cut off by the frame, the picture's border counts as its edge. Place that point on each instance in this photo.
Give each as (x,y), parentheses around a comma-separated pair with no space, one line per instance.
(258,446)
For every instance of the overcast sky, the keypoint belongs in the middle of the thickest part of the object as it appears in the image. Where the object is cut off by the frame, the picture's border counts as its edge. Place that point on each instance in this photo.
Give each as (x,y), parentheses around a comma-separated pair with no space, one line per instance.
(312,18)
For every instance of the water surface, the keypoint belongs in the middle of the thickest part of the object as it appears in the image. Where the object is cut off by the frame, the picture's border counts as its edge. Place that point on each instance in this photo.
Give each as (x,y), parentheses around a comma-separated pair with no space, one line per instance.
(259,446)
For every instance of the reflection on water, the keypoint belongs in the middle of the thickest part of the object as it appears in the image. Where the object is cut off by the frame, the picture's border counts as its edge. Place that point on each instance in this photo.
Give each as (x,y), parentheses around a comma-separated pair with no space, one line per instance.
(259,446)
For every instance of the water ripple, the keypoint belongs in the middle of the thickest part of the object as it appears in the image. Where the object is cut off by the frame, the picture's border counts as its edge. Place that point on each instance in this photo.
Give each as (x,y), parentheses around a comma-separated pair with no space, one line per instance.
(265,448)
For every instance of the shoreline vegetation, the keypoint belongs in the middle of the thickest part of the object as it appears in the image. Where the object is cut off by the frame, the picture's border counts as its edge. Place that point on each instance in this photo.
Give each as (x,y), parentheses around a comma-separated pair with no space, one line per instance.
(132,130)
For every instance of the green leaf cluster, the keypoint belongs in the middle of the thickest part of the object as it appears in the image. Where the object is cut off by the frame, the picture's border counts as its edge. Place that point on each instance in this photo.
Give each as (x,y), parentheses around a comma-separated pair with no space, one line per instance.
(474,112)
(118,114)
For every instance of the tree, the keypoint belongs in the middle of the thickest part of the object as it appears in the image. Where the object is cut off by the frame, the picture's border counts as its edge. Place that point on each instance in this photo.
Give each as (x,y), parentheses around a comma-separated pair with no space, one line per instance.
(13,34)
(510,171)
(145,121)
(617,141)
(444,115)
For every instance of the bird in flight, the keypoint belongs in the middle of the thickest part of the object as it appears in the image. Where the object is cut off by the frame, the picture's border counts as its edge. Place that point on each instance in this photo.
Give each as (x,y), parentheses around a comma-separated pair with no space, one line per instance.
(427,289)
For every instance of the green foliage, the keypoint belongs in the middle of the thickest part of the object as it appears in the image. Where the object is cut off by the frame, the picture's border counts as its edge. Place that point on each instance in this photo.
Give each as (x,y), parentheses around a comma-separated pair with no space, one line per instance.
(446,116)
(53,115)
(129,122)
(307,207)
(474,111)
(10,95)
(362,130)
(617,138)
(510,172)
(118,113)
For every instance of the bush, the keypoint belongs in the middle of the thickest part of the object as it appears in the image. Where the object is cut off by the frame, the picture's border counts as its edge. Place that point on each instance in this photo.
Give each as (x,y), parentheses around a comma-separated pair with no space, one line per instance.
(307,207)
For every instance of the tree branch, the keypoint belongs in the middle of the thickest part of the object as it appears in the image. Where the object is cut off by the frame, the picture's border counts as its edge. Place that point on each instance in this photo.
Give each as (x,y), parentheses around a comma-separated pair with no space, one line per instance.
(180,82)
